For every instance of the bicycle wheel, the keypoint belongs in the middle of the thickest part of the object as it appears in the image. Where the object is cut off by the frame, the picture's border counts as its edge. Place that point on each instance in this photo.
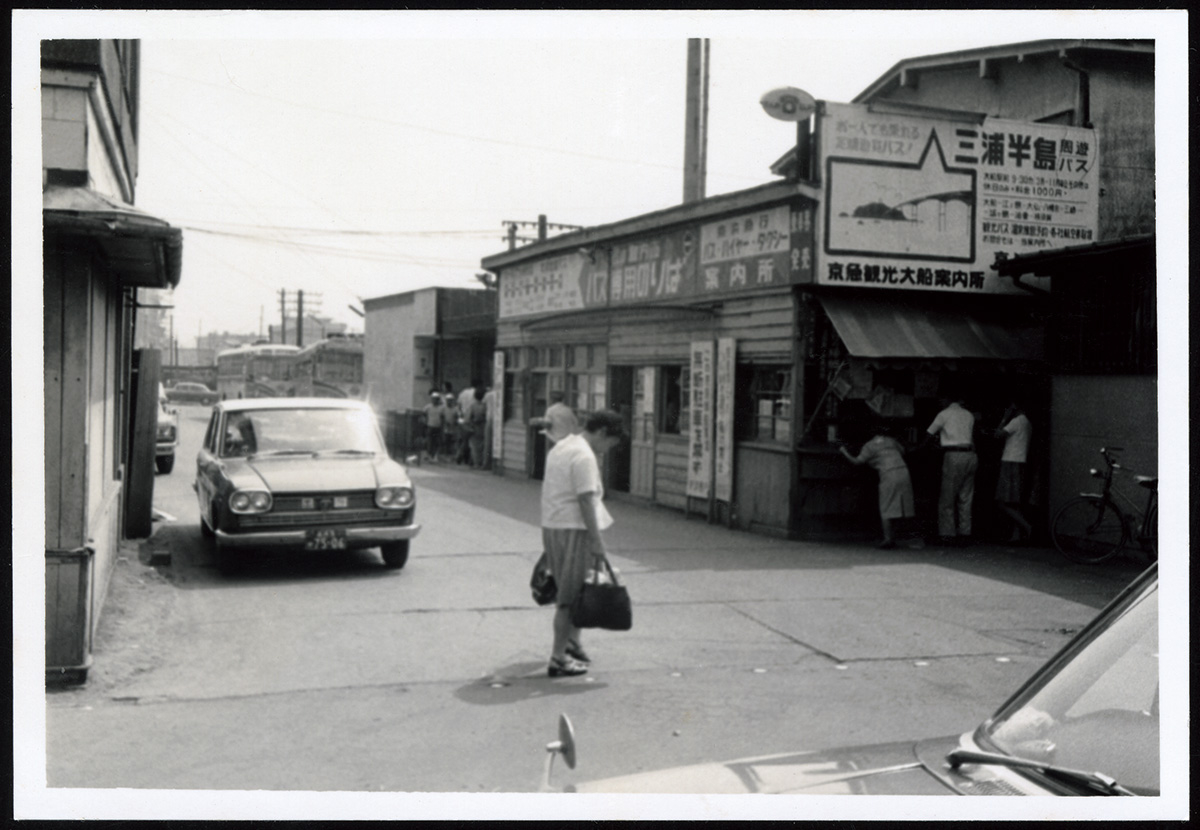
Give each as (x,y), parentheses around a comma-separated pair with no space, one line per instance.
(1087,529)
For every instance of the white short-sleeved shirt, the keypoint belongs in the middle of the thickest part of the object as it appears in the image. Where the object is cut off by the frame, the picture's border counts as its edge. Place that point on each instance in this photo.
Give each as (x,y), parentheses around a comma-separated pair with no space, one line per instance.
(956,425)
(571,471)
(1016,443)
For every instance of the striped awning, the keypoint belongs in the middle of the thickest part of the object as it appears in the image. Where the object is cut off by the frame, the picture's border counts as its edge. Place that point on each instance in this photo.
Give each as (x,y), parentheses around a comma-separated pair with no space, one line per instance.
(922,327)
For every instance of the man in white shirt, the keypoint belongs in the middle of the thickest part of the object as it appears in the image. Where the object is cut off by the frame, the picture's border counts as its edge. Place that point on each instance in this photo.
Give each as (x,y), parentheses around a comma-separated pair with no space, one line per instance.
(573,516)
(954,427)
(1016,431)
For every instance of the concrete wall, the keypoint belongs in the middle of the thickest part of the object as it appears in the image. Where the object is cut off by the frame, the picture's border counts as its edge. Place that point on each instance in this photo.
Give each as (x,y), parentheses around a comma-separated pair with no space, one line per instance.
(1088,412)
(396,330)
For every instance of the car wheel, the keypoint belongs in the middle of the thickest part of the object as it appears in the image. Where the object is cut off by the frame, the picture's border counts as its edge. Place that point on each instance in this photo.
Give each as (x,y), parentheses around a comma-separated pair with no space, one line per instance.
(395,554)
(228,561)
(205,530)
(165,463)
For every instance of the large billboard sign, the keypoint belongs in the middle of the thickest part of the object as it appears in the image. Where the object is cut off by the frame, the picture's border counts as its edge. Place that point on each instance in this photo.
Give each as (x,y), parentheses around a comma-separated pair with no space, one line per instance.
(765,248)
(569,282)
(927,203)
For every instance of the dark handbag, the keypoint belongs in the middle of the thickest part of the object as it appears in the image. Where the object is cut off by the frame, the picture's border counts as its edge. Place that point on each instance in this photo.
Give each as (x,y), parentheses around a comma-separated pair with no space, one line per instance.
(602,604)
(541,582)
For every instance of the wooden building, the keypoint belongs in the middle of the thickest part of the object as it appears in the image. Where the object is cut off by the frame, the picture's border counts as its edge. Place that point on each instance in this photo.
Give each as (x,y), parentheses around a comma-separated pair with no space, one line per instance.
(744,336)
(1100,363)
(100,394)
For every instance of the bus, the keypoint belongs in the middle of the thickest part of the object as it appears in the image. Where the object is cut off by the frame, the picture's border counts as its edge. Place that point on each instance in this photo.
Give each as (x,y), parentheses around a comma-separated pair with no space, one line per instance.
(263,370)
(331,368)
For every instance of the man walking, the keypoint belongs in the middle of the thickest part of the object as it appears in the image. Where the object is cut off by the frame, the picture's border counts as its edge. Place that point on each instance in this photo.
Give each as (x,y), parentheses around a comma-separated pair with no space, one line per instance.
(954,427)
(573,516)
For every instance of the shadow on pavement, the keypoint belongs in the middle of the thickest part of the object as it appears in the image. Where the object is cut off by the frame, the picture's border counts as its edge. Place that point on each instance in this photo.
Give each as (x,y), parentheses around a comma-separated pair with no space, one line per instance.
(192,563)
(523,681)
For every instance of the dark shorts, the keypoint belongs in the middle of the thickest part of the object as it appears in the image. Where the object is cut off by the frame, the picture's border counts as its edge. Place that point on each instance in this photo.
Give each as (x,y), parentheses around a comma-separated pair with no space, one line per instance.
(1010,486)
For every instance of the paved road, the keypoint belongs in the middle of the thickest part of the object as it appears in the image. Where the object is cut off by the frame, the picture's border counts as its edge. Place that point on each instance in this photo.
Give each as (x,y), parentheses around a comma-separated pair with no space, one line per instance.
(334,673)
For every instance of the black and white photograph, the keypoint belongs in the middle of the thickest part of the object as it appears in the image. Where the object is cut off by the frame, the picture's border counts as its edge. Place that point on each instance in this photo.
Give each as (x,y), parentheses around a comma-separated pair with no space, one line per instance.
(587,415)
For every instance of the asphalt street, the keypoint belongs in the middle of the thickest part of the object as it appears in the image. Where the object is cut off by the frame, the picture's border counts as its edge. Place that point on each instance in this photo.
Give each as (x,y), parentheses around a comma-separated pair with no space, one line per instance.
(334,674)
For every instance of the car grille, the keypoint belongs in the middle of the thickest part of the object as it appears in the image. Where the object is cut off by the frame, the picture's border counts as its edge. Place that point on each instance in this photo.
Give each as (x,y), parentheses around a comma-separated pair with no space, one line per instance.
(288,510)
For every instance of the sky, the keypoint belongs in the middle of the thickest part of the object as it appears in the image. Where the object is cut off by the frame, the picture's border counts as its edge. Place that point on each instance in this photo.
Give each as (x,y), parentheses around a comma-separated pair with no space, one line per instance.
(404,140)
(357,155)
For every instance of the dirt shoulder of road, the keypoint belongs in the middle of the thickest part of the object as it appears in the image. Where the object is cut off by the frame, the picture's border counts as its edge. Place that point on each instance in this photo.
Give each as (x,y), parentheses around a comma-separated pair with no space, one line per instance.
(126,644)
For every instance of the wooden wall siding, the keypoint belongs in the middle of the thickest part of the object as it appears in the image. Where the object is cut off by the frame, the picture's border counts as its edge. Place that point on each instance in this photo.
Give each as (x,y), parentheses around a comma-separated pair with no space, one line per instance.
(762,325)
(516,437)
(668,340)
(670,472)
(67,604)
(66,399)
(96,435)
(762,480)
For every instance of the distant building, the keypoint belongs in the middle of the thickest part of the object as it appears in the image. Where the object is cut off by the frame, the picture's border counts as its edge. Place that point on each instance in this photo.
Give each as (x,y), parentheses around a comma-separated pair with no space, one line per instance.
(315,328)
(100,394)
(421,339)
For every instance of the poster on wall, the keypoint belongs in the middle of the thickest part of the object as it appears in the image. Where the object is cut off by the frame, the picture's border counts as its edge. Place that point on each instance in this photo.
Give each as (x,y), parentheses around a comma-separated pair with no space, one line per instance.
(498,391)
(927,203)
(700,430)
(723,444)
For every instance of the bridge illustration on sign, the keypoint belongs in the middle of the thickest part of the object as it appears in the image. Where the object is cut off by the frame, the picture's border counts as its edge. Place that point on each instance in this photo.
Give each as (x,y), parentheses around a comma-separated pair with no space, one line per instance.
(908,210)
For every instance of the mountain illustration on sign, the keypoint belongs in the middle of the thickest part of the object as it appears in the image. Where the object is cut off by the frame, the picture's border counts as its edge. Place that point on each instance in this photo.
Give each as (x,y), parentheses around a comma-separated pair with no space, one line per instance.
(926,209)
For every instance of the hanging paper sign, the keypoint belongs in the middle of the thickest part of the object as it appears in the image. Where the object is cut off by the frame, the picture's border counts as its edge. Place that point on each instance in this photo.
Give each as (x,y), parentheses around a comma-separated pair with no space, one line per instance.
(723,444)
(700,431)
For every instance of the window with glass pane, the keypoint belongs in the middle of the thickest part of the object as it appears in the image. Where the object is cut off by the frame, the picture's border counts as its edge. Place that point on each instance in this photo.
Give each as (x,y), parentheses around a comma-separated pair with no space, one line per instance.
(599,395)
(763,403)
(577,391)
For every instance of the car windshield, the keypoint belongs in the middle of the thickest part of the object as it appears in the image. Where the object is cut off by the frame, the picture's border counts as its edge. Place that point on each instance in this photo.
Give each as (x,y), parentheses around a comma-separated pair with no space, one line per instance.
(300,431)
(1097,710)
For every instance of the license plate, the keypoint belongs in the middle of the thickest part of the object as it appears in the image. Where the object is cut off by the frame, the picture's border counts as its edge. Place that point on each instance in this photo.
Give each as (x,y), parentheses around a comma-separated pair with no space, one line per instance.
(325,539)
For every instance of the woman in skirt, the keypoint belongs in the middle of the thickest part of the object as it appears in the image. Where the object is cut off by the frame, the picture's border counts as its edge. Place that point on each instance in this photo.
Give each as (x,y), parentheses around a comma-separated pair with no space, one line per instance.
(886,456)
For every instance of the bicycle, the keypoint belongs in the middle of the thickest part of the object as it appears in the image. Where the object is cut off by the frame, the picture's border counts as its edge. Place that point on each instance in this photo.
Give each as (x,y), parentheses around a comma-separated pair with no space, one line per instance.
(1093,527)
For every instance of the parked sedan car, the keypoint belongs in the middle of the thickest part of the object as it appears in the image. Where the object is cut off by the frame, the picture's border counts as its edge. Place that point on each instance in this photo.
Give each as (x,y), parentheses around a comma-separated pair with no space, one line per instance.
(1086,723)
(166,438)
(303,474)
(189,392)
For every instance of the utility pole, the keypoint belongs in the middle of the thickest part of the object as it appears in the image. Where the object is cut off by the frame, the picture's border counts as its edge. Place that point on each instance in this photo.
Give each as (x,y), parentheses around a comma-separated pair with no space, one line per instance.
(542,227)
(695,142)
(283,315)
(300,317)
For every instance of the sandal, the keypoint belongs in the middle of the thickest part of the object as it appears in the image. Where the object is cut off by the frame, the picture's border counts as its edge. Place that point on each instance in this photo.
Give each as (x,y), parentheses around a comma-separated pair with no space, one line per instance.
(565,668)
(576,651)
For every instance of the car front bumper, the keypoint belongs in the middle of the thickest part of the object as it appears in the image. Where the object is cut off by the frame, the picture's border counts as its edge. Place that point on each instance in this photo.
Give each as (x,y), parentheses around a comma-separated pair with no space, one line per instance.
(164,449)
(356,537)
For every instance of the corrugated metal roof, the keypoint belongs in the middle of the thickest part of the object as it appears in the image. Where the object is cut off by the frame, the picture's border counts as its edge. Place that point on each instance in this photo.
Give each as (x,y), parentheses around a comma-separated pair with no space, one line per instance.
(1071,259)
(906,327)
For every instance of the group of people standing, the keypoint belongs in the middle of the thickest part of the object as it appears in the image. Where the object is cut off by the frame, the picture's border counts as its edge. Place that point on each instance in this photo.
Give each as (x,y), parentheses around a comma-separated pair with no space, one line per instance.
(954,432)
(459,427)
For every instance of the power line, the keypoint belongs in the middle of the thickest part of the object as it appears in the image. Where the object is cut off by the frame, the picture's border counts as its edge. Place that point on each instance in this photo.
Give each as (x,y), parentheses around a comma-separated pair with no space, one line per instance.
(433,130)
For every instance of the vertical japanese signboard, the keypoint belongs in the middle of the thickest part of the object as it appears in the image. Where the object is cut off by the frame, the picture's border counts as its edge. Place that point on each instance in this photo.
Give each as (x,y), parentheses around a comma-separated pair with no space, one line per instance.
(498,393)
(927,203)
(700,431)
(723,445)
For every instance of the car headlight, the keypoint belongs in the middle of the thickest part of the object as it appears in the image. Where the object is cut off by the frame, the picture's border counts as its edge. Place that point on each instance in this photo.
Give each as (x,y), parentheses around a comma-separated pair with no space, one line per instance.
(395,498)
(250,501)
(166,433)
